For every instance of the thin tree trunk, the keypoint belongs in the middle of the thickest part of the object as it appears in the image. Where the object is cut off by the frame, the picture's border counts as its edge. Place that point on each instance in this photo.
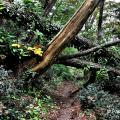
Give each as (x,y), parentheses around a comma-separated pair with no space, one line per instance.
(48,6)
(93,72)
(59,42)
(100,31)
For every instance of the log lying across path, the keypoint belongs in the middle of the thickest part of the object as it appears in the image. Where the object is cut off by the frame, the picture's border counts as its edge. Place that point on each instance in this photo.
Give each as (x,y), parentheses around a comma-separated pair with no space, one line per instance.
(78,63)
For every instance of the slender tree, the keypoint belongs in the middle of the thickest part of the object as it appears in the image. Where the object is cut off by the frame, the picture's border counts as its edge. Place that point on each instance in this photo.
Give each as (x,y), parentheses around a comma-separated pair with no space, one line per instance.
(48,6)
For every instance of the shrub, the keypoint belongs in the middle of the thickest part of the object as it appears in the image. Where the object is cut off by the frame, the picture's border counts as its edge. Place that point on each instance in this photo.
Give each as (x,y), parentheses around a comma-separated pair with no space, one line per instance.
(112,85)
(6,83)
(106,106)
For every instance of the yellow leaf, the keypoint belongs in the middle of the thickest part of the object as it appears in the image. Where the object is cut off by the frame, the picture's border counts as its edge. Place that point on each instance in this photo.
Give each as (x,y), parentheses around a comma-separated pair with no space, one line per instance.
(30,48)
(38,52)
(16,45)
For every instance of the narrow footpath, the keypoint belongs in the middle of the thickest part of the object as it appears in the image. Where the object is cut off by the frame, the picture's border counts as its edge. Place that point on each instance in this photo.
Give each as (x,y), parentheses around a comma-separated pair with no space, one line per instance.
(68,106)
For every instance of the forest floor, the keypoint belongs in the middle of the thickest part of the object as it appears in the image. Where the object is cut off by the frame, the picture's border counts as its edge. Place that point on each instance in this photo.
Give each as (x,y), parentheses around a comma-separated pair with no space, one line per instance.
(68,106)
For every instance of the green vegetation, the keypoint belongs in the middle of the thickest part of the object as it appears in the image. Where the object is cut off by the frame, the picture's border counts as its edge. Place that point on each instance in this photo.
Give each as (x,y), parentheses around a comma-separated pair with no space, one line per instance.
(26,33)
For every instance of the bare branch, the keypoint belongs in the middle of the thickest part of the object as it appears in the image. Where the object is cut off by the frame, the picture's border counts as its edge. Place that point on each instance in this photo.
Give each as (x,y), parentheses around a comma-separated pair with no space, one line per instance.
(91,50)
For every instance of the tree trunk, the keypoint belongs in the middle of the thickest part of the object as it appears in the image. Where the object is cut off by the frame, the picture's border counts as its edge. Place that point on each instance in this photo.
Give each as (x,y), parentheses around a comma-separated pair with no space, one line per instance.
(78,63)
(73,26)
(48,6)
(100,32)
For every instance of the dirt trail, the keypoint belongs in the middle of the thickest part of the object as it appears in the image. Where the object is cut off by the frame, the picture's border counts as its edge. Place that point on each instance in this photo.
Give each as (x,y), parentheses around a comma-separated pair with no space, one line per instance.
(69,107)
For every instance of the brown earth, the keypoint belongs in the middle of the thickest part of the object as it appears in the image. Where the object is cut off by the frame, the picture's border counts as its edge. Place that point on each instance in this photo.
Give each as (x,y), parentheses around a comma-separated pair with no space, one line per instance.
(69,108)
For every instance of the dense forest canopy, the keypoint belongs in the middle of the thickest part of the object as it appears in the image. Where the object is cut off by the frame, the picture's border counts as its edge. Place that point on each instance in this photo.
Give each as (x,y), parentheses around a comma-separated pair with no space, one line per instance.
(44,43)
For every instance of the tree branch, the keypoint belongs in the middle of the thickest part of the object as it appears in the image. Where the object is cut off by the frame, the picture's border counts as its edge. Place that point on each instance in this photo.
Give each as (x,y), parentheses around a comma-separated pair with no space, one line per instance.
(88,51)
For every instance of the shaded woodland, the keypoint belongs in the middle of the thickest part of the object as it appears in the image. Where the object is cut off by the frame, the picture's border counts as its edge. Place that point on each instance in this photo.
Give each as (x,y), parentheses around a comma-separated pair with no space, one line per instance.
(59,60)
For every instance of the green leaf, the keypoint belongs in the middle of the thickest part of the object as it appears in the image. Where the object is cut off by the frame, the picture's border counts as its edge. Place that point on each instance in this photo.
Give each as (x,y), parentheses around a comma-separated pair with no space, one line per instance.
(28,1)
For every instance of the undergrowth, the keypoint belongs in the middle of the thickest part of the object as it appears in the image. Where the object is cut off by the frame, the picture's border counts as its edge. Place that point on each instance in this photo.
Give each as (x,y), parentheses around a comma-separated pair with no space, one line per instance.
(18,103)
(105,104)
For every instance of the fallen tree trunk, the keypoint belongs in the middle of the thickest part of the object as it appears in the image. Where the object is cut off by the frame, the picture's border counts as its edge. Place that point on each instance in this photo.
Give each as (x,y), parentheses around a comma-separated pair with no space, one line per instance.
(73,26)
(83,63)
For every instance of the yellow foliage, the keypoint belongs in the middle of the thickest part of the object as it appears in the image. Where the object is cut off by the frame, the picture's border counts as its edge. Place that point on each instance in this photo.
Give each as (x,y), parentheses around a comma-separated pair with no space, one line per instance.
(37,51)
